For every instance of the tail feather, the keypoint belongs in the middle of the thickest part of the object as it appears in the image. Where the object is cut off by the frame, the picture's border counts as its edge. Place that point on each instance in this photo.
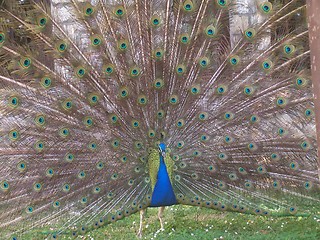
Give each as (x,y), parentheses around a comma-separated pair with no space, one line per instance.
(83,107)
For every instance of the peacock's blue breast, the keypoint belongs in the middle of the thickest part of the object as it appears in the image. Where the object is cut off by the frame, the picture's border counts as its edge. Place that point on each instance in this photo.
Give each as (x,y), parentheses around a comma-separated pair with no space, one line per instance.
(163,194)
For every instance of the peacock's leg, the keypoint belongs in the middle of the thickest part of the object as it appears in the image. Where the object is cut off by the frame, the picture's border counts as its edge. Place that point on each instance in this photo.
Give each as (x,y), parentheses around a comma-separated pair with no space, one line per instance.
(142,215)
(160,216)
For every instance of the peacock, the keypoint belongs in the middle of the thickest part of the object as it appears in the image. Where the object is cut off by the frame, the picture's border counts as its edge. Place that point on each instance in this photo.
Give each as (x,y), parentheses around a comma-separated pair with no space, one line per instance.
(108,107)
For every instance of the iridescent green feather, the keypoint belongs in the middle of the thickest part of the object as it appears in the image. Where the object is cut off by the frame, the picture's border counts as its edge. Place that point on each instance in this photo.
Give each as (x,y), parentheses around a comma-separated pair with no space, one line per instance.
(153,166)
(170,166)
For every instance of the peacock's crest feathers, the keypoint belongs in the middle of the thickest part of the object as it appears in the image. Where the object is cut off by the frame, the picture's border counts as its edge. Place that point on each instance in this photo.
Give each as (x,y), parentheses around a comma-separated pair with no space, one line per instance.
(83,109)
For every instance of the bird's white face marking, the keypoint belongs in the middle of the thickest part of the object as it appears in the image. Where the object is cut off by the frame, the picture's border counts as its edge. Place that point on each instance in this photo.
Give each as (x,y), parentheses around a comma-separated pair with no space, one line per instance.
(162,150)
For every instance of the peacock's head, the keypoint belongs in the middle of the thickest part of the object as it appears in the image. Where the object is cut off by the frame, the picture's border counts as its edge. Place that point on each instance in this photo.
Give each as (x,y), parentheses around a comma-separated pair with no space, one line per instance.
(162,149)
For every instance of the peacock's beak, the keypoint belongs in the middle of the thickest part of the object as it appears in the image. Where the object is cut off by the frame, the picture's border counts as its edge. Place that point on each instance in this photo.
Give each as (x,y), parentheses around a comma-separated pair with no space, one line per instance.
(163,154)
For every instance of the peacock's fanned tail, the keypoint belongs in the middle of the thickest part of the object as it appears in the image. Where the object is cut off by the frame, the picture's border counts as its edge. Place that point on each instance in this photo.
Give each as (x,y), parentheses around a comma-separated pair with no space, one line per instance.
(82,108)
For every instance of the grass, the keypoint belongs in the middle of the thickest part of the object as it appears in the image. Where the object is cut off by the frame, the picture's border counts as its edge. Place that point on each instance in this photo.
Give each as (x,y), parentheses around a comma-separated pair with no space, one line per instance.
(183,222)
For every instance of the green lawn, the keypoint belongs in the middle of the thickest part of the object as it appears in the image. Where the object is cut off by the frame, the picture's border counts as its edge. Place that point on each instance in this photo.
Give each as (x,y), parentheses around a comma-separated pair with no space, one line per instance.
(189,223)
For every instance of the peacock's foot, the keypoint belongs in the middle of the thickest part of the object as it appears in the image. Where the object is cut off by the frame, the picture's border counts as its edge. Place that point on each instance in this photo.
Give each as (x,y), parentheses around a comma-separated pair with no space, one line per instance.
(139,234)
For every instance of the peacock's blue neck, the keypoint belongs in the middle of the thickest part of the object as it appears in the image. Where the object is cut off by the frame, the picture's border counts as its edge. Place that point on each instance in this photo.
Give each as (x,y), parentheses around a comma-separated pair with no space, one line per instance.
(163,194)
